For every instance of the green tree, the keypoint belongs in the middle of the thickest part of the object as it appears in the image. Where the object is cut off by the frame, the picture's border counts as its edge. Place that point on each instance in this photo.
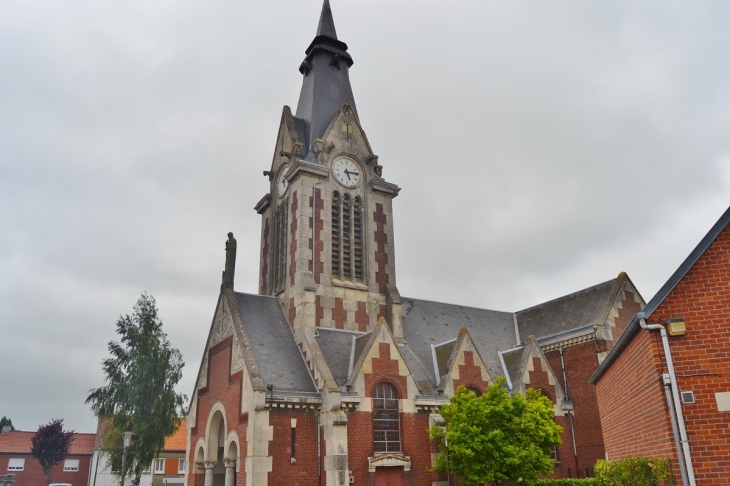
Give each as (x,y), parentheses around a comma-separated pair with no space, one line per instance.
(139,395)
(50,445)
(497,437)
(6,421)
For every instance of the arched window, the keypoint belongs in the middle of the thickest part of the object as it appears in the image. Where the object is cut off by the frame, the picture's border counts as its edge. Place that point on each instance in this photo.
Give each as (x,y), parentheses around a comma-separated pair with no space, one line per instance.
(386,418)
(474,389)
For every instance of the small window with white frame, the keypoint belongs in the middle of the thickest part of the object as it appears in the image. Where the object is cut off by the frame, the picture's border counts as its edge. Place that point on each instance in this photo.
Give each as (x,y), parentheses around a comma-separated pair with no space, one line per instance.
(159,466)
(181,466)
(16,464)
(71,465)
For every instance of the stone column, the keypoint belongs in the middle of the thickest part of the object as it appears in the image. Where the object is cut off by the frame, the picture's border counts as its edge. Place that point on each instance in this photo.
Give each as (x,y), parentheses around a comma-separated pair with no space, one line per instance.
(230,465)
(335,440)
(209,465)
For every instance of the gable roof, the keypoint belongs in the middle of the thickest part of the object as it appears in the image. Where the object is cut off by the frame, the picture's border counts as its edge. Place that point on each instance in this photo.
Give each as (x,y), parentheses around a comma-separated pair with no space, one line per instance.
(633,328)
(276,354)
(19,442)
(178,440)
(427,323)
(581,309)
(338,349)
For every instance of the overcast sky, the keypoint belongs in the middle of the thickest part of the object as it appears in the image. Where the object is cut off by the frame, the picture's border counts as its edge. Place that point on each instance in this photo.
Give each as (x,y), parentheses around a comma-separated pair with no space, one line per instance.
(542,147)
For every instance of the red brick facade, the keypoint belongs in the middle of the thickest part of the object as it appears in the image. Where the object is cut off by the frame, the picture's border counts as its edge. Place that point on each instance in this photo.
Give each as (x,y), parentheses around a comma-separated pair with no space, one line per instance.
(32,473)
(470,375)
(633,408)
(285,471)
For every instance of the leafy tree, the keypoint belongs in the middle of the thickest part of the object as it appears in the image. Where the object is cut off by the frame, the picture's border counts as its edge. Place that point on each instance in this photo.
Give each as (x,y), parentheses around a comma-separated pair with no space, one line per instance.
(6,421)
(139,395)
(497,438)
(50,445)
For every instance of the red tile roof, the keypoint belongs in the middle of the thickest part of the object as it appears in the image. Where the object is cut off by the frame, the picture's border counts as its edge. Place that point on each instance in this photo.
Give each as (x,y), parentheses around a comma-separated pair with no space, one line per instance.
(19,442)
(179,440)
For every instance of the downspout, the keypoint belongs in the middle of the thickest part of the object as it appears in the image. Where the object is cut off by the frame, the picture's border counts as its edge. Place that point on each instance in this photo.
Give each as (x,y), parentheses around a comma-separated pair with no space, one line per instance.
(667,384)
(675,396)
(570,415)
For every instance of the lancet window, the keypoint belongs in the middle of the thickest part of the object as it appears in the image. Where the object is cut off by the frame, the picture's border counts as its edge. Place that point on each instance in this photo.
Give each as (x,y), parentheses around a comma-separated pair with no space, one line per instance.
(347,237)
(278,267)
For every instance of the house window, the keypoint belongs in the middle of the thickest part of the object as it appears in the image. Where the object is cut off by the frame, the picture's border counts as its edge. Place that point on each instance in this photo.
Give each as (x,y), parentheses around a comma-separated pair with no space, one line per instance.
(554,454)
(347,237)
(181,466)
(159,466)
(386,418)
(70,465)
(16,464)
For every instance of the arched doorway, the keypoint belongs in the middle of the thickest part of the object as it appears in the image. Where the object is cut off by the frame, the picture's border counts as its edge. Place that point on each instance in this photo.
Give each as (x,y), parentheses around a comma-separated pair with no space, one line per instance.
(215,444)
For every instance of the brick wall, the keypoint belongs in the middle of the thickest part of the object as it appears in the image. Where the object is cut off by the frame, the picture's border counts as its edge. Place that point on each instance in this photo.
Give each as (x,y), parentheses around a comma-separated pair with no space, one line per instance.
(580,363)
(540,380)
(227,388)
(304,472)
(470,375)
(32,474)
(633,407)
(629,307)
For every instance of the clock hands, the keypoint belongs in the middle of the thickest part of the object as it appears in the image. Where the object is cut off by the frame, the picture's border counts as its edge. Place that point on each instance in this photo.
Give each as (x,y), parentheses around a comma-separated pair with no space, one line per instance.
(347,173)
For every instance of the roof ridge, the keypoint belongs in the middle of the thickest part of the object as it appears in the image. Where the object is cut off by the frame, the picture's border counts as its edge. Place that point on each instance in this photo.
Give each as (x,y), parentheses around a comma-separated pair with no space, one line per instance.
(457,305)
(567,296)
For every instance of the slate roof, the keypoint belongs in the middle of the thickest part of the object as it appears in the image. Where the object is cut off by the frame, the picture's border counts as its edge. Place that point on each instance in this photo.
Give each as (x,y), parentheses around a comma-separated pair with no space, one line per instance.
(337,348)
(427,323)
(277,356)
(512,360)
(326,81)
(662,294)
(19,442)
(577,310)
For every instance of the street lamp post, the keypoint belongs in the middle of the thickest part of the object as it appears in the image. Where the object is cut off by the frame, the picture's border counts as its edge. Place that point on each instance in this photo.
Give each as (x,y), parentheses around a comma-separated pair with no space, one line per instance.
(127,436)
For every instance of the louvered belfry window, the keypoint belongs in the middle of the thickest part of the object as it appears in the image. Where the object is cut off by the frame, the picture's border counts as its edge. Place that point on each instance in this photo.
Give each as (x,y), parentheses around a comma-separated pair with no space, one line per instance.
(347,237)
(386,418)
(278,267)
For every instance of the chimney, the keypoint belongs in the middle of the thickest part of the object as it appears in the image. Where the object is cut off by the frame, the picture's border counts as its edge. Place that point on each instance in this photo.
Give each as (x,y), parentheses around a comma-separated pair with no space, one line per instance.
(6,429)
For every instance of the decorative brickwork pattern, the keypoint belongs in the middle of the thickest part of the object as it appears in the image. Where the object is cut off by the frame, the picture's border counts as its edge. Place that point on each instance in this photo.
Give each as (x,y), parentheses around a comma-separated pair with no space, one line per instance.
(381,240)
(470,374)
(385,368)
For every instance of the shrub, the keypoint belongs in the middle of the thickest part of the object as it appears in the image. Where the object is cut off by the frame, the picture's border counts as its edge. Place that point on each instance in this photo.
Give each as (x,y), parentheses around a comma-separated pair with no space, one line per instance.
(566,482)
(634,471)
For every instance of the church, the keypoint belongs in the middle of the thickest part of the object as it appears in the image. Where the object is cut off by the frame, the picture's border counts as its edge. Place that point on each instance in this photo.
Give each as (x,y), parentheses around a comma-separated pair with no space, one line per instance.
(328,376)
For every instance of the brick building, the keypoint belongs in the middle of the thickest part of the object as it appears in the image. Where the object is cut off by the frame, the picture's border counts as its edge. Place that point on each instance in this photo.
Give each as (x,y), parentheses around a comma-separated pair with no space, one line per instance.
(329,374)
(649,407)
(16,459)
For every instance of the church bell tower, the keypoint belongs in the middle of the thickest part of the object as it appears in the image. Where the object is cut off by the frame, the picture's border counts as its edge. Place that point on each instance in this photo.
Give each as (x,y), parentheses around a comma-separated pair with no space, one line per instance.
(327,222)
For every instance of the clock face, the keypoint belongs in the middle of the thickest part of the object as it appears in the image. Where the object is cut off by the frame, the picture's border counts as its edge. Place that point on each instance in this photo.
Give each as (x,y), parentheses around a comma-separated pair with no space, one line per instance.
(347,172)
(282,184)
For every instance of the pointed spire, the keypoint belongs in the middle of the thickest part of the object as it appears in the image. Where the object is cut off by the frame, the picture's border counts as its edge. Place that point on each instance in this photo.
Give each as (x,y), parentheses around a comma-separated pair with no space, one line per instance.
(326,22)
(326,82)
